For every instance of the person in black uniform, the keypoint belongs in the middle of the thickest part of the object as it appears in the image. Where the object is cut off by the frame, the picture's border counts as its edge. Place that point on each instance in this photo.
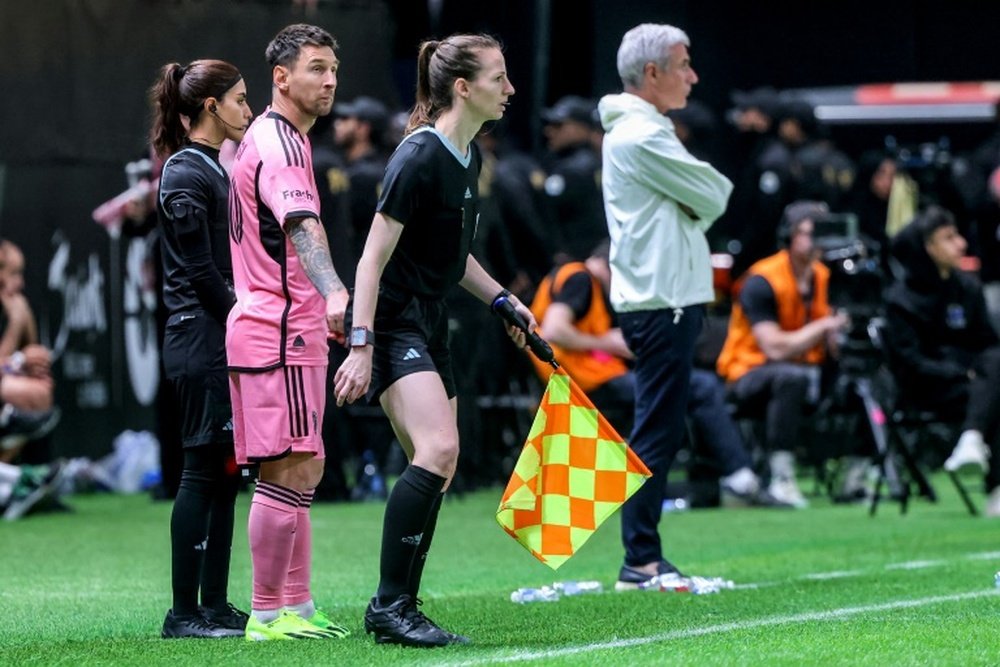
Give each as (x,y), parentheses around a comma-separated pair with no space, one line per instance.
(417,249)
(573,185)
(358,130)
(192,207)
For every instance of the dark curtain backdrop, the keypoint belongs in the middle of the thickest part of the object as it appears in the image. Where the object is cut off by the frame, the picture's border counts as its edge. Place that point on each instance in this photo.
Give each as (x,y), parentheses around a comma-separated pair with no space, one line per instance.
(74,75)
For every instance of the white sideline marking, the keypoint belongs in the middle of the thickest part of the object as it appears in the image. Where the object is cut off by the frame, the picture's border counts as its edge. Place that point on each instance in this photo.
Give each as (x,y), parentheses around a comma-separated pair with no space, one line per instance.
(915,564)
(836,574)
(805,617)
(841,574)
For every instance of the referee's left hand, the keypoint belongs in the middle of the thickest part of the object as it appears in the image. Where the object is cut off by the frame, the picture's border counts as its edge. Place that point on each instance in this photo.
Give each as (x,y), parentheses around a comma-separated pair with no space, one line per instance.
(516,334)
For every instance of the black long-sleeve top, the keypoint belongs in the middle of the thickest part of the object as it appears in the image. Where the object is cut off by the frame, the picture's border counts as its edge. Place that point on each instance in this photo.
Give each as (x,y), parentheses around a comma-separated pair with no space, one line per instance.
(193,208)
(936,326)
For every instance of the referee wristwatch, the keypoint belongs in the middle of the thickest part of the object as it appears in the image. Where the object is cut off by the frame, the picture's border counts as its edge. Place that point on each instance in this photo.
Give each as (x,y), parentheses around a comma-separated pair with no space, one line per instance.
(361,336)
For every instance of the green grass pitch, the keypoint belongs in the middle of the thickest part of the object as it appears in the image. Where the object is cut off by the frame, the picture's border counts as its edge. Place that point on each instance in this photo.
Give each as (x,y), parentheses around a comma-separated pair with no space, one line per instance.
(823,586)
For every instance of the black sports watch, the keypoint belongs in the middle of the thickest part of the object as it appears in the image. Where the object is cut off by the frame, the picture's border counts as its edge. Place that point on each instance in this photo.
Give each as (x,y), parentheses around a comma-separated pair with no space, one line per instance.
(361,336)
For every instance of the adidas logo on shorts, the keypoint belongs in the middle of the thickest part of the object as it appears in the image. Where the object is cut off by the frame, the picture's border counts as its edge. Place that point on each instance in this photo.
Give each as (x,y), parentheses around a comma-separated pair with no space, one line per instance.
(411,354)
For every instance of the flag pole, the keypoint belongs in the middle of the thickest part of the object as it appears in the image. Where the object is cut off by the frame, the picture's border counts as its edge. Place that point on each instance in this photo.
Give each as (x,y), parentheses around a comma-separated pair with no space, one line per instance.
(539,347)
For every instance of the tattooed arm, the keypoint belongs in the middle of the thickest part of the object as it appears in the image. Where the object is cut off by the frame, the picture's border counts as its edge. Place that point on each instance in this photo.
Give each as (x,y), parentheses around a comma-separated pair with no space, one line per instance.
(309,239)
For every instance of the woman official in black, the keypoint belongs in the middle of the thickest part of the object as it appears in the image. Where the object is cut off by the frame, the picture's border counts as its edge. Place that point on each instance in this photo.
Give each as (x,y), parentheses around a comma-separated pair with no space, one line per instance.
(417,249)
(195,109)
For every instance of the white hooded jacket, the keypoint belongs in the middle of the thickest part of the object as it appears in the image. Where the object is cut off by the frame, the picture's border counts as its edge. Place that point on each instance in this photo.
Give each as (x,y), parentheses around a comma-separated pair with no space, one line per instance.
(659,254)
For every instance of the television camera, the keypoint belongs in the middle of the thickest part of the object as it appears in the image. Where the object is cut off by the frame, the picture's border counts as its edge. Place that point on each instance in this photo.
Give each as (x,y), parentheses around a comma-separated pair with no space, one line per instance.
(861,389)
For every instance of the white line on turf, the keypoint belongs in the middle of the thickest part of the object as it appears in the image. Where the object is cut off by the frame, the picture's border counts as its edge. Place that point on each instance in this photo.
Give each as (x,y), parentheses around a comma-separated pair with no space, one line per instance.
(842,574)
(915,564)
(805,617)
(836,574)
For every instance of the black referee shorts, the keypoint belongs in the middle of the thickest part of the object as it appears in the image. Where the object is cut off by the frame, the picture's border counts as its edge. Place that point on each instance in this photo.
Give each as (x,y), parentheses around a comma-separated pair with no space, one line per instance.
(194,358)
(411,335)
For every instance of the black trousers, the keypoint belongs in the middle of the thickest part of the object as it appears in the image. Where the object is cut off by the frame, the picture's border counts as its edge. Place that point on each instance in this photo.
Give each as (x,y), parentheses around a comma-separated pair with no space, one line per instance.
(975,402)
(780,392)
(663,345)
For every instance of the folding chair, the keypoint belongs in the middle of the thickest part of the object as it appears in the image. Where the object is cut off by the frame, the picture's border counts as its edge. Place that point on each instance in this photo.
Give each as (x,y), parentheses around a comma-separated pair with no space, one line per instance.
(907,430)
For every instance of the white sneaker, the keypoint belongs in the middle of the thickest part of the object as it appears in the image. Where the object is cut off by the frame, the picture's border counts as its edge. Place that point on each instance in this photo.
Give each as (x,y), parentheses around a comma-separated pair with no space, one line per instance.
(742,482)
(970,452)
(993,503)
(786,490)
(854,484)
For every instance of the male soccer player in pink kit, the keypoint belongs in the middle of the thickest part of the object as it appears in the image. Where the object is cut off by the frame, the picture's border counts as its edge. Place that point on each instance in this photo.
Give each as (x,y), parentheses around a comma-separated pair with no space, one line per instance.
(288,298)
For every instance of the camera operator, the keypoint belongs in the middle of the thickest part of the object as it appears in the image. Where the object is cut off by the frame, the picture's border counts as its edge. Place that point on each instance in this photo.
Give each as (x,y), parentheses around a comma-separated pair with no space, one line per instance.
(780,332)
(944,352)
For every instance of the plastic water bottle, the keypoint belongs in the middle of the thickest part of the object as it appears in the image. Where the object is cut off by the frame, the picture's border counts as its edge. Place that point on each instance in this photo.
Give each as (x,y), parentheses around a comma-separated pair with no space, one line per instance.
(674,505)
(370,484)
(577,587)
(526,595)
(996,579)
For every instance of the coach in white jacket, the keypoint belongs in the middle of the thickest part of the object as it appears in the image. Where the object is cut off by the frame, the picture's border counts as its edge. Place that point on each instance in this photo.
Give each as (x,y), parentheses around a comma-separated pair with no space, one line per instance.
(659,200)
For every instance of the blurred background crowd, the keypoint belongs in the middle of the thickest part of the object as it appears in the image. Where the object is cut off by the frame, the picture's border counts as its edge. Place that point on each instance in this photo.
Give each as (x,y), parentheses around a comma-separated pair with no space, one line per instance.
(878,110)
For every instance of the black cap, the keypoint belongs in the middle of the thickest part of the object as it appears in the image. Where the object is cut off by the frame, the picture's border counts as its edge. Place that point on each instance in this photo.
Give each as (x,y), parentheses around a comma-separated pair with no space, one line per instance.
(364,108)
(801,112)
(570,108)
(764,99)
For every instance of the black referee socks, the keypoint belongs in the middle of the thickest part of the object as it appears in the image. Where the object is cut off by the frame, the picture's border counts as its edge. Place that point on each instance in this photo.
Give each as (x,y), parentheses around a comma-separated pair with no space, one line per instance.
(409,512)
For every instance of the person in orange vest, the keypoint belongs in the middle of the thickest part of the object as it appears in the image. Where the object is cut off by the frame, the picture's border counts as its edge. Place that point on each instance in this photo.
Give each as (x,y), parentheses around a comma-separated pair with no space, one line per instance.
(780,332)
(574,315)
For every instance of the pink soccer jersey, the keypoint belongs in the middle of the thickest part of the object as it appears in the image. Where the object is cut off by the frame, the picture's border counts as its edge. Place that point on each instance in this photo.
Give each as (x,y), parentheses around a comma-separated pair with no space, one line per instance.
(279,318)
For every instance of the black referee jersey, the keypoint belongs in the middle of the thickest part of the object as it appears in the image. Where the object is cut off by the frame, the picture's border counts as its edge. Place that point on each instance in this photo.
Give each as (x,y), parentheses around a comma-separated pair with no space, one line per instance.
(431,188)
(193,209)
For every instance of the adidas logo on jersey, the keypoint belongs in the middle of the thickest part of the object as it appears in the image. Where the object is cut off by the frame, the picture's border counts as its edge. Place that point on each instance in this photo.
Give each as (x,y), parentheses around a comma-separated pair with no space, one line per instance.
(468,193)
(411,354)
(298,342)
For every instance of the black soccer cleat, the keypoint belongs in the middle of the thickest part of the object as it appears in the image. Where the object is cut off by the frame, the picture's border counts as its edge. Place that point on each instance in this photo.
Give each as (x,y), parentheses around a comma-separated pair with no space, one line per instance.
(230,617)
(630,578)
(194,626)
(402,623)
(453,638)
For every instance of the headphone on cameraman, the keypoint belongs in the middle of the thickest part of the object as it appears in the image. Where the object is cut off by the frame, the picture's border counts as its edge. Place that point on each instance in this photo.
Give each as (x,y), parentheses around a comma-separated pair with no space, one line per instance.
(794,214)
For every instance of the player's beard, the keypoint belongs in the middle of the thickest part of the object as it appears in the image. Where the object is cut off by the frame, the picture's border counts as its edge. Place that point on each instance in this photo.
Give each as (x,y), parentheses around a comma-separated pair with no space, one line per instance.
(321,107)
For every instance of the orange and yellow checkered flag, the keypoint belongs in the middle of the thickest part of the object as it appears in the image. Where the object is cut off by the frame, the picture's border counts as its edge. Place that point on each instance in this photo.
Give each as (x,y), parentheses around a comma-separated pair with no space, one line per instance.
(573,473)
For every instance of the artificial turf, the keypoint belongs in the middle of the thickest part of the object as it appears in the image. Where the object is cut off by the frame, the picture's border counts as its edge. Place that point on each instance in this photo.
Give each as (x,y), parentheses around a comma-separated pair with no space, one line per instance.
(824,586)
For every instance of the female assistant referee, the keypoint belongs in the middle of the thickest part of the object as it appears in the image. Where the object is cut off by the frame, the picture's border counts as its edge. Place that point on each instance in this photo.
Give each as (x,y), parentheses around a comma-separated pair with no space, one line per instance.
(417,249)
(195,108)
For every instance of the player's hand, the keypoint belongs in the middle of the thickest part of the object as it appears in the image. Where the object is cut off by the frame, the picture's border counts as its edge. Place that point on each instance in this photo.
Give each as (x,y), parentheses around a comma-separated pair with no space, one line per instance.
(354,375)
(336,307)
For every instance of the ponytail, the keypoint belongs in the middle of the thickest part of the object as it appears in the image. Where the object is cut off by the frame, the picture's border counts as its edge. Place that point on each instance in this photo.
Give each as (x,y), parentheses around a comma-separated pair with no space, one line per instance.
(167,133)
(423,111)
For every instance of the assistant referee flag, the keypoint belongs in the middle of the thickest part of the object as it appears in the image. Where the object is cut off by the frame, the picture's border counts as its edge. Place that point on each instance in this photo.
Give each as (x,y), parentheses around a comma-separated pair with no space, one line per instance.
(573,473)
